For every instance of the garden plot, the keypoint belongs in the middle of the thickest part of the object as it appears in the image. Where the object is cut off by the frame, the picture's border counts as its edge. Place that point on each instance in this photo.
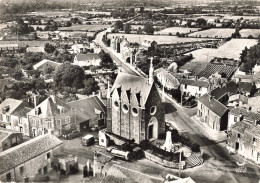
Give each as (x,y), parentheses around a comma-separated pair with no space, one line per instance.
(214,33)
(174,30)
(136,38)
(232,50)
(246,32)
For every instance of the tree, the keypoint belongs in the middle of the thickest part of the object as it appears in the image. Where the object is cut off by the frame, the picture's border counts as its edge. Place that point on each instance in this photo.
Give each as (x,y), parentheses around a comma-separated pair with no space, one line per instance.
(17,74)
(169,22)
(201,21)
(236,34)
(90,86)
(49,48)
(149,15)
(127,28)
(148,28)
(141,9)
(48,69)
(106,60)
(69,75)
(119,25)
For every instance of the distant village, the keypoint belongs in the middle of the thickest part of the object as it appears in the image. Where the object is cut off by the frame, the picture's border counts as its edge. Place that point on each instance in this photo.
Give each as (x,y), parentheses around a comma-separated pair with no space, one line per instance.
(116,94)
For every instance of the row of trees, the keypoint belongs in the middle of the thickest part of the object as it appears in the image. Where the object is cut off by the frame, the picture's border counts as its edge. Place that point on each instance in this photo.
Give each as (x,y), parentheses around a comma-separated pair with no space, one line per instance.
(250,57)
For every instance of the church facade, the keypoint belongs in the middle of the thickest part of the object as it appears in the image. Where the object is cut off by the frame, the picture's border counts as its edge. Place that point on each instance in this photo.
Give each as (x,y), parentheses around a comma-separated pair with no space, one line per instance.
(135,108)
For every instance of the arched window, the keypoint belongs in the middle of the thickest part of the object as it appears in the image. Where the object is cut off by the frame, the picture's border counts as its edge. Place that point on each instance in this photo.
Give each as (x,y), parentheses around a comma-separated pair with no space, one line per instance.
(134,111)
(125,108)
(67,120)
(116,104)
(153,110)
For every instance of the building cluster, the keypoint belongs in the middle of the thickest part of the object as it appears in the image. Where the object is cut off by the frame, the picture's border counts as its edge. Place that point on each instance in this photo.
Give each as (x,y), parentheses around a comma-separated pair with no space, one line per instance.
(52,116)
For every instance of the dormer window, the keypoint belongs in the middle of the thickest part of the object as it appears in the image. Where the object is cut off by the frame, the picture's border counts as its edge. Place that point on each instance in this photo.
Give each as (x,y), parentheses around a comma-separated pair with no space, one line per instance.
(6,109)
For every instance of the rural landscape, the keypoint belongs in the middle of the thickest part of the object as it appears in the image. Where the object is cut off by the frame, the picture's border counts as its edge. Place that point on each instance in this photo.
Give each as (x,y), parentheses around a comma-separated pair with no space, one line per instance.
(130,91)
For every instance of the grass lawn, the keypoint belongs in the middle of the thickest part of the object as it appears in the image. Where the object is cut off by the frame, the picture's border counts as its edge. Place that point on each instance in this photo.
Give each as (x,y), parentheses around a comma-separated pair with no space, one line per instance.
(90,28)
(246,32)
(174,30)
(158,38)
(232,49)
(220,33)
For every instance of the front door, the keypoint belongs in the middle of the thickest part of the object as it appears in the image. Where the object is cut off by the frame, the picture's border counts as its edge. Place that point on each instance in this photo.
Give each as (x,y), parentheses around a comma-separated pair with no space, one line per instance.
(150,135)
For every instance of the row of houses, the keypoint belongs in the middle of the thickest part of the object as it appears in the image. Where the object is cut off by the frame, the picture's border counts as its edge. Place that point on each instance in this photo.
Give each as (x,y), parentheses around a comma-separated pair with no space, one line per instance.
(52,116)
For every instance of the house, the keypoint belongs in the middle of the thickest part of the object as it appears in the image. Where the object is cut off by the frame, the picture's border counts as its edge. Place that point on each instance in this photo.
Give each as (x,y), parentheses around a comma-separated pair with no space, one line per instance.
(134,108)
(44,63)
(52,116)
(10,48)
(222,93)
(27,160)
(212,112)
(148,44)
(87,59)
(244,136)
(216,80)
(246,88)
(193,87)
(9,138)
(166,79)
(79,48)
(35,49)
(7,107)
(90,111)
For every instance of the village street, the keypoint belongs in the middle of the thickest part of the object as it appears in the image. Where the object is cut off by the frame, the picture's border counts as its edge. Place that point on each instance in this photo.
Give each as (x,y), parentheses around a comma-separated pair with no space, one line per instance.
(219,166)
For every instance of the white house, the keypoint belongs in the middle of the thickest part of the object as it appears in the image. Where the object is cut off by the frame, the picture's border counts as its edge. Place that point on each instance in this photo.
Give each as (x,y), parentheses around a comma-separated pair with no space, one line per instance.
(166,79)
(87,59)
(196,88)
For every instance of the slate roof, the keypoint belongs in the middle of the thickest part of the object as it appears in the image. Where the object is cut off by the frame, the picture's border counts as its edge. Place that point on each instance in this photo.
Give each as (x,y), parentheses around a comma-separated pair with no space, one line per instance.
(246,113)
(245,86)
(12,103)
(86,108)
(214,105)
(21,153)
(40,65)
(243,127)
(21,111)
(213,68)
(85,57)
(135,84)
(50,109)
(198,83)
(230,87)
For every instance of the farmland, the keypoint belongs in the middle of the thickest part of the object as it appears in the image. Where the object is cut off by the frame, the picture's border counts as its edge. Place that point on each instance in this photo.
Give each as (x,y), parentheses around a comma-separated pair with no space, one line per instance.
(136,38)
(218,33)
(231,49)
(26,43)
(246,32)
(90,28)
(174,30)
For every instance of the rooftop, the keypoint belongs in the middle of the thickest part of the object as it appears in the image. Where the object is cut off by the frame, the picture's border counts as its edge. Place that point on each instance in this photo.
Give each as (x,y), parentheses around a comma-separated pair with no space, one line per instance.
(40,65)
(198,83)
(214,105)
(21,153)
(230,87)
(247,114)
(87,108)
(9,105)
(136,85)
(243,127)
(85,57)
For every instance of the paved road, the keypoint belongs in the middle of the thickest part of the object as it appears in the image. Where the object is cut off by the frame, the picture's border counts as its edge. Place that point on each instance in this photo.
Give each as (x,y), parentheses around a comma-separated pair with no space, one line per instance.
(123,66)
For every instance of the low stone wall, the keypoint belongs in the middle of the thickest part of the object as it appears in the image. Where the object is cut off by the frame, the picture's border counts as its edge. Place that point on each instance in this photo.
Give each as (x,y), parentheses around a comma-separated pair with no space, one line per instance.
(160,161)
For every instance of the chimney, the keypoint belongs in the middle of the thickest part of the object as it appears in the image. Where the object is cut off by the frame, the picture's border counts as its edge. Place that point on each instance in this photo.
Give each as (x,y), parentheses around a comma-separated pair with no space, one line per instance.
(93,93)
(34,100)
(256,122)
(53,98)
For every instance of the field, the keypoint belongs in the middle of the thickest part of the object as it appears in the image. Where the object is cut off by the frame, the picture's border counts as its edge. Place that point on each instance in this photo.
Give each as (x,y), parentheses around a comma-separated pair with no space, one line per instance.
(174,30)
(91,28)
(136,38)
(220,33)
(246,32)
(26,43)
(94,12)
(244,17)
(50,13)
(232,49)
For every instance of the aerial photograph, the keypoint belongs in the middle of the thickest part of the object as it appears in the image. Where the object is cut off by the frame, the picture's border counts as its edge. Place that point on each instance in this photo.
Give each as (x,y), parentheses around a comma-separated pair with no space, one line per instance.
(130,91)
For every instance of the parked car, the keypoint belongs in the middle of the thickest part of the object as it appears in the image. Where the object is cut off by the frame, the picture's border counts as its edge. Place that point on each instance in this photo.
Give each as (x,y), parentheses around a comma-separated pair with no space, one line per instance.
(72,135)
